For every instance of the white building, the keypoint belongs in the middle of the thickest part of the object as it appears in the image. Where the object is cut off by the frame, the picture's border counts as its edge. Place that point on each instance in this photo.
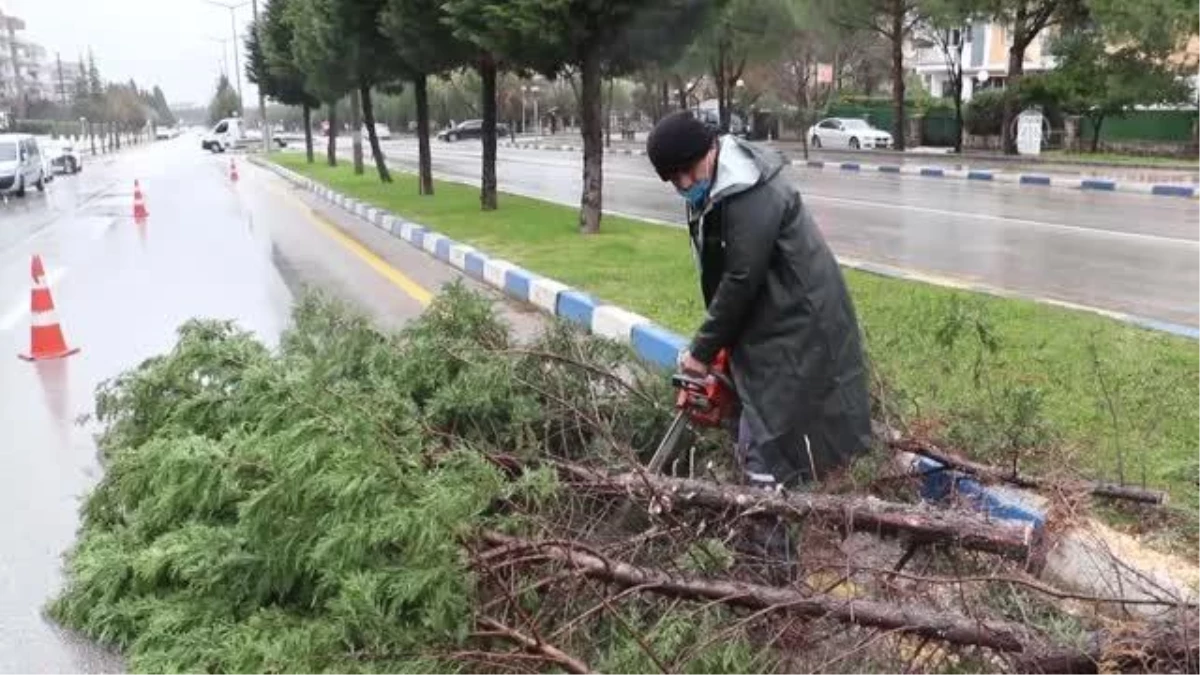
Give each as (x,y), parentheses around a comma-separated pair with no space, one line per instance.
(985,46)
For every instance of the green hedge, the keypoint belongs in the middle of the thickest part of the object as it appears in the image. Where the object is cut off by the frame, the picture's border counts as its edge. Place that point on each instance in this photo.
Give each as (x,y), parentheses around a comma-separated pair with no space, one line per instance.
(1146,125)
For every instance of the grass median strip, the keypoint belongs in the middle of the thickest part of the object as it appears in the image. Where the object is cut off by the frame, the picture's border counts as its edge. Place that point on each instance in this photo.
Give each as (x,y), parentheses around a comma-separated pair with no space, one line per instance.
(1013,380)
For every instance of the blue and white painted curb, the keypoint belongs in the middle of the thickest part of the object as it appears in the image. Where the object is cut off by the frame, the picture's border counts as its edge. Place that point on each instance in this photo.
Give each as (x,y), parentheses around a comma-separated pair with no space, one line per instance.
(1021,179)
(979,175)
(651,342)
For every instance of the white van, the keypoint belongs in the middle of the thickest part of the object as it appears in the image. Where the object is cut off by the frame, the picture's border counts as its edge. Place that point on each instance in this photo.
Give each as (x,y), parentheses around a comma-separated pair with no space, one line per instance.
(20,164)
(226,135)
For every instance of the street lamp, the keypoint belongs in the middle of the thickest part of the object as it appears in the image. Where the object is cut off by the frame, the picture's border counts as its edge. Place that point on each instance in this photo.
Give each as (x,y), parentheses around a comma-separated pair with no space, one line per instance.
(531,89)
(233,30)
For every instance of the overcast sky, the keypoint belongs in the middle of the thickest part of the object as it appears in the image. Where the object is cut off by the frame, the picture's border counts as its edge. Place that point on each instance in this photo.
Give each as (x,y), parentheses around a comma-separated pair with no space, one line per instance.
(163,42)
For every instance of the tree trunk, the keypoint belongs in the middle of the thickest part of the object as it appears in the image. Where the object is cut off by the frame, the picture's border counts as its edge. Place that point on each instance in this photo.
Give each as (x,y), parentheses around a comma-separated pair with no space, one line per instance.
(897,36)
(964,529)
(608,116)
(356,131)
(683,94)
(958,114)
(424,163)
(722,88)
(1096,124)
(372,137)
(590,102)
(91,131)
(306,115)
(1016,68)
(666,99)
(117,136)
(331,150)
(487,182)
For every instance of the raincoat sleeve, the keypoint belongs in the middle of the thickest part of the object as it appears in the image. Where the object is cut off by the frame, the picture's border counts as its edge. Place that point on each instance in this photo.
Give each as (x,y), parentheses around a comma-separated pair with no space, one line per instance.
(752,227)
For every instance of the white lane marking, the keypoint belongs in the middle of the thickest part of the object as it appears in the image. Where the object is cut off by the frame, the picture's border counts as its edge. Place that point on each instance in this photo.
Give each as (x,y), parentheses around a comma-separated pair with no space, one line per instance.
(20,310)
(1018,221)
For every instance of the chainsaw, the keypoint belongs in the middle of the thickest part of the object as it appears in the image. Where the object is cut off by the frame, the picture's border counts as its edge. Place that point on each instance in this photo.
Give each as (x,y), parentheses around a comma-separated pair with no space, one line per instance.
(704,402)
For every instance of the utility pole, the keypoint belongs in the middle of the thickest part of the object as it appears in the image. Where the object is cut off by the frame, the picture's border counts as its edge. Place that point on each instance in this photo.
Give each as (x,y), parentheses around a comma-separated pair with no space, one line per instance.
(236,61)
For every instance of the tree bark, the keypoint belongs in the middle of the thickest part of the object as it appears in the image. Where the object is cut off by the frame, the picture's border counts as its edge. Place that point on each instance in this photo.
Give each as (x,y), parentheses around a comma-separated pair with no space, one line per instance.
(487,183)
(424,162)
(331,146)
(591,99)
(941,626)
(920,524)
(356,131)
(306,114)
(958,114)
(665,95)
(372,137)
(897,37)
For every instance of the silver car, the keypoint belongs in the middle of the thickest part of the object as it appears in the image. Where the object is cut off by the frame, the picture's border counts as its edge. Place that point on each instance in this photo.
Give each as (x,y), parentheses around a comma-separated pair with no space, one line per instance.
(20,164)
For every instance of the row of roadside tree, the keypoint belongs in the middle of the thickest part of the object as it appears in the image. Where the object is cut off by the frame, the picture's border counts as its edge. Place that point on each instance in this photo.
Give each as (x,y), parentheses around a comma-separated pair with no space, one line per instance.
(317,53)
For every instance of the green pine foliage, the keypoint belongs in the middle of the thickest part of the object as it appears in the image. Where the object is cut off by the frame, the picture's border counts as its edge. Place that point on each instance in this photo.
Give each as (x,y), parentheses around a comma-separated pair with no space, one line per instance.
(304,509)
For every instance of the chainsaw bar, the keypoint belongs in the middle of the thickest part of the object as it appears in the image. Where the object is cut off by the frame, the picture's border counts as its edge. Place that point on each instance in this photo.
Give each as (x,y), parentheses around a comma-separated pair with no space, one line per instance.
(669,444)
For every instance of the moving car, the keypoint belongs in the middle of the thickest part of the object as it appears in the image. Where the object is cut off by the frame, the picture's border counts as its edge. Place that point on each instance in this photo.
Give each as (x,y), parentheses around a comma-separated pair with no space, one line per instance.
(64,159)
(469,129)
(841,132)
(226,135)
(20,164)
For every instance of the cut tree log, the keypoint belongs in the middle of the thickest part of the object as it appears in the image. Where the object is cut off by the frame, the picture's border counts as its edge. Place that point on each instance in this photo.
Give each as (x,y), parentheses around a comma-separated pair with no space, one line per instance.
(1160,646)
(920,523)
(947,627)
(997,475)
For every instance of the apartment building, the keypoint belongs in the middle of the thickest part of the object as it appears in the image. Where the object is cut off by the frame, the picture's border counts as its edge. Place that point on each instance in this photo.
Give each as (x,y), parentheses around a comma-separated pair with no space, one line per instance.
(985,47)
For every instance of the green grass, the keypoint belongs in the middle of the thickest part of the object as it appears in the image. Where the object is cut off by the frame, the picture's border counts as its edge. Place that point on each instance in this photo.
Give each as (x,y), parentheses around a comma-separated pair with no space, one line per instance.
(1116,158)
(988,372)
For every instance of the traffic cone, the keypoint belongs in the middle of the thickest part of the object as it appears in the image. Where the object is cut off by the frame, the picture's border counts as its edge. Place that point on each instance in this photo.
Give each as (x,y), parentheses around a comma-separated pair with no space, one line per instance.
(233,176)
(46,339)
(139,204)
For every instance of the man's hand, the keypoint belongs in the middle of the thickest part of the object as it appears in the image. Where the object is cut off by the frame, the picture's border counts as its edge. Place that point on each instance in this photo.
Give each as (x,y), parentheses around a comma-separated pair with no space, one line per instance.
(690,365)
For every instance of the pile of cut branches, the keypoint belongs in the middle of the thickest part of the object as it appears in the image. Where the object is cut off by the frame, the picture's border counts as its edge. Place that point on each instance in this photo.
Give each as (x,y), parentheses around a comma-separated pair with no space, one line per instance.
(447,499)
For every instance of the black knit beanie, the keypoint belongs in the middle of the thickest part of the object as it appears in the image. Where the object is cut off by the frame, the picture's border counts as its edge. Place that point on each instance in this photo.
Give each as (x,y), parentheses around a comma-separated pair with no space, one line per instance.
(677,142)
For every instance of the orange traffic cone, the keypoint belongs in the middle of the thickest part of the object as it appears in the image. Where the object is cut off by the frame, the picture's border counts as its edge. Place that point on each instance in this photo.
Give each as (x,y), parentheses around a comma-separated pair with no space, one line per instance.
(233,176)
(139,204)
(46,339)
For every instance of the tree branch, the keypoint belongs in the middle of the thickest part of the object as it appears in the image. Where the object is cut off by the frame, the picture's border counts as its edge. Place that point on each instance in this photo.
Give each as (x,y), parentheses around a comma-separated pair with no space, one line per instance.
(568,662)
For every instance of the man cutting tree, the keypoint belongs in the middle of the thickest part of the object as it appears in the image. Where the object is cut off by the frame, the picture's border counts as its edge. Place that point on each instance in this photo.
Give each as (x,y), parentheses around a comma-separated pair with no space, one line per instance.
(776,303)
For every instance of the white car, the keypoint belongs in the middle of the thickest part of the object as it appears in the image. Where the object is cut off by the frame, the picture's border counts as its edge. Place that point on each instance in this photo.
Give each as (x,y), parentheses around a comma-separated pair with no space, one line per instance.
(841,132)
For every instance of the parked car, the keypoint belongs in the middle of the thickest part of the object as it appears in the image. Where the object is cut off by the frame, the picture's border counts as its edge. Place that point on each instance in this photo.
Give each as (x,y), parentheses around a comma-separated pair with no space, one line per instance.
(840,132)
(20,164)
(63,158)
(712,118)
(469,129)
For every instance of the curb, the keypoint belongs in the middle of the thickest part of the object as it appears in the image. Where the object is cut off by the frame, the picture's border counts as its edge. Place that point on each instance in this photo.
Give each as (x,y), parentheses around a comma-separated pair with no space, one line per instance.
(651,342)
(988,175)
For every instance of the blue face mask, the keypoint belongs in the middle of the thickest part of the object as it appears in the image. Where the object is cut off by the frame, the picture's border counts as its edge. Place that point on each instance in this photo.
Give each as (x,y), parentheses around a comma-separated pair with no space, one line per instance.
(696,194)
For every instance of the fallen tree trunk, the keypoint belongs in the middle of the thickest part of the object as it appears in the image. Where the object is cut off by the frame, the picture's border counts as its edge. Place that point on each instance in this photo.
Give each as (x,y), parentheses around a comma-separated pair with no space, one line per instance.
(921,524)
(1159,647)
(994,474)
(947,627)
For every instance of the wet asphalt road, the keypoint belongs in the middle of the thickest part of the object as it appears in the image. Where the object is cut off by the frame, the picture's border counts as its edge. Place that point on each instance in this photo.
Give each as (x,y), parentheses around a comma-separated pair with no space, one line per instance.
(210,248)
(1120,252)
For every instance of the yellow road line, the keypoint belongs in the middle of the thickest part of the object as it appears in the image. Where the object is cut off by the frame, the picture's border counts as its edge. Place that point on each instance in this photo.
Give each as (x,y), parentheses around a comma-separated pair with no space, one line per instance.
(398,278)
